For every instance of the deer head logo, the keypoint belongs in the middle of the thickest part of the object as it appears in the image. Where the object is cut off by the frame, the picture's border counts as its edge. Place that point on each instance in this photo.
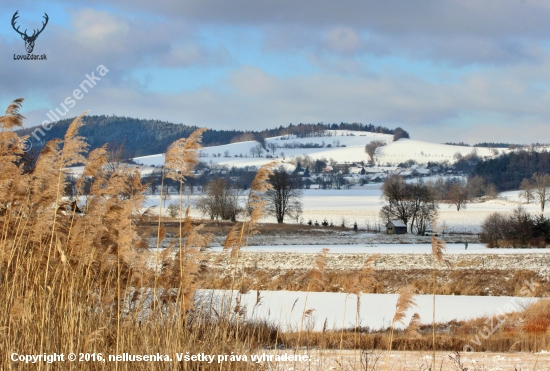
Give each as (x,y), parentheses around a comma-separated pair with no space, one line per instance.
(29,40)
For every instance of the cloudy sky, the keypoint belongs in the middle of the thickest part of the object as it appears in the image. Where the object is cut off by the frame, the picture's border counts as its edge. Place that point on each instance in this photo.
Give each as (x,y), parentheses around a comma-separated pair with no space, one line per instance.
(445,70)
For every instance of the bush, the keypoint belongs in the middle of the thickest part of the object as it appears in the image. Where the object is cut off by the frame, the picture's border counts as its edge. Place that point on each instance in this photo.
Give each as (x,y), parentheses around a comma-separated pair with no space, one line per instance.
(519,229)
(399,134)
(173,210)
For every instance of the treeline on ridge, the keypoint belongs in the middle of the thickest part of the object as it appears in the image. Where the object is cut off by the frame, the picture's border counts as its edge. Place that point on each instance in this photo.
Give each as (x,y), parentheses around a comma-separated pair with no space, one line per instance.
(507,171)
(147,137)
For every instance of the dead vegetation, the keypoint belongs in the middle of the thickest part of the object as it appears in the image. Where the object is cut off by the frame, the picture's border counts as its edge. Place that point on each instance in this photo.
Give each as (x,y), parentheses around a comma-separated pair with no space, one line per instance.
(84,283)
(526,331)
(390,281)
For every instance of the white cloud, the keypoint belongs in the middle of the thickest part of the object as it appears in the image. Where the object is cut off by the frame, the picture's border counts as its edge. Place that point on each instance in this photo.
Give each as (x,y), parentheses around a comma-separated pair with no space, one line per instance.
(342,40)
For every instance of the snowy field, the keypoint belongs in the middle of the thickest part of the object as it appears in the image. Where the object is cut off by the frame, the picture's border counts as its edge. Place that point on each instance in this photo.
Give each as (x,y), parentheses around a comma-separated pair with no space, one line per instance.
(455,249)
(285,308)
(346,146)
(362,205)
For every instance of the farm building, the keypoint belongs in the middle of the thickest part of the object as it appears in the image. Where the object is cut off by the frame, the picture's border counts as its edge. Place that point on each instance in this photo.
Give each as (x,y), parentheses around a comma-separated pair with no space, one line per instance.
(396,227)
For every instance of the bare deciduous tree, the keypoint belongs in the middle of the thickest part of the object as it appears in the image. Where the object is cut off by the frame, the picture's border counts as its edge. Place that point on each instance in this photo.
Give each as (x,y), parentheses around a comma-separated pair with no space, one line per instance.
(257,150)
(221,201)
(285,199)
(541,185)
(526,189)
(370,149)
(414,203)
(458,195)
(273,147)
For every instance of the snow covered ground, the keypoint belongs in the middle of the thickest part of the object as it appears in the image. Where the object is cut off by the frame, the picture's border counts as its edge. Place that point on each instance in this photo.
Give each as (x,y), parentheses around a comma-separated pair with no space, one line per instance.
(455,249)
(362,205)
(346,146)
(285,308)
(323,359)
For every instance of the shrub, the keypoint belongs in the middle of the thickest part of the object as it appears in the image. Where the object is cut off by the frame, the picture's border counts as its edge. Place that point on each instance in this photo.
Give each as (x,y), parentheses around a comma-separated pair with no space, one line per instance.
(519,229)
(173,210)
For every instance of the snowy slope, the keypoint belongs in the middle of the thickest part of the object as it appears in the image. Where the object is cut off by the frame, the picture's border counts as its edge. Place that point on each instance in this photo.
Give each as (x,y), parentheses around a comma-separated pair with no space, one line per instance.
(354,150)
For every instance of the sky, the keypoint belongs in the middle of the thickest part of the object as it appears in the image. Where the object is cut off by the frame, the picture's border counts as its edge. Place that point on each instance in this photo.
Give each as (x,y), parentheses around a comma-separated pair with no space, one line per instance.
(444,70)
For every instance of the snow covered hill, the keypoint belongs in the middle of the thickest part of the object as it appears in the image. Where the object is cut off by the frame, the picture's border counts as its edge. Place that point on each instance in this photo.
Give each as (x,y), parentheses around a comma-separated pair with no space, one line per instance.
(341,145)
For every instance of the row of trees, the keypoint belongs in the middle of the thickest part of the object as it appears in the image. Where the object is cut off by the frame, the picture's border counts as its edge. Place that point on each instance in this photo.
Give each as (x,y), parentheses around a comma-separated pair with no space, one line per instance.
(415,203)
(519,229)
(283,200)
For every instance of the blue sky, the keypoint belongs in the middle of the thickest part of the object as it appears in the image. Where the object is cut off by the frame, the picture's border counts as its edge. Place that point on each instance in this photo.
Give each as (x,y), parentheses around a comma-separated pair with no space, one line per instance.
(448,70)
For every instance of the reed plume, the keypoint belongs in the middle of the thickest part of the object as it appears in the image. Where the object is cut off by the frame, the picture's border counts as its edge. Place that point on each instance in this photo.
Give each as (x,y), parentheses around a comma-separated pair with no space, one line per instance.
(405,301)
(414,326)
(240,232)
(316,280)
(82,282)
(438,257)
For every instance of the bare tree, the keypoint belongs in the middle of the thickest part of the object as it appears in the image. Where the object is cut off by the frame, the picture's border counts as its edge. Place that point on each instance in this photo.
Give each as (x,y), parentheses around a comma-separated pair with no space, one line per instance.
(414,203)
(221,201)
(526,189)
(257,150)
(115,157)
(285,199)
(458,195)
(541,185)
(370,149)
(273,147)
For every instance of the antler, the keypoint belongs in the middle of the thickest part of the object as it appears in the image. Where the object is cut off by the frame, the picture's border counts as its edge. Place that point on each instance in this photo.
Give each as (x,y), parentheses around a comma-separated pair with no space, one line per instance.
(15,16)
(35,34)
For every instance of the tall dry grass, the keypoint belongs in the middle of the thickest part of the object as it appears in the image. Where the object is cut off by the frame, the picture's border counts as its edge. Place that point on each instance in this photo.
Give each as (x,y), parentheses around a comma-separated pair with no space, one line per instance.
(438,249)
(87,283)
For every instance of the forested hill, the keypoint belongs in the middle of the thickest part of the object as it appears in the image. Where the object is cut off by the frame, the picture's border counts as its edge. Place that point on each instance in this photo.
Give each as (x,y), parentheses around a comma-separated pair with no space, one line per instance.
(148,137)
(140,137)
(508,170)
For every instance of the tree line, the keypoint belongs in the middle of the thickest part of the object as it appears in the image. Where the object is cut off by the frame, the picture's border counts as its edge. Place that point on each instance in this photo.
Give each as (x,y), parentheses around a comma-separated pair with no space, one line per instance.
(415,203)
(508,171)
(148,137)
(284,200)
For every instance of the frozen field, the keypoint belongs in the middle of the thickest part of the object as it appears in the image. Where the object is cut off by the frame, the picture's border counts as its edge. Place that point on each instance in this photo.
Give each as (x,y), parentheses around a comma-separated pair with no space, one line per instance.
(322,360)
(362,205)
(426,249)
(285,308)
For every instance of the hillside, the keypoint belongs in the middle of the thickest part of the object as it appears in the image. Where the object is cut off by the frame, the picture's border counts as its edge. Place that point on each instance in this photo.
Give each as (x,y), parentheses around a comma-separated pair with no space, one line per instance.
(339,145)
(149,137)
(140,137)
